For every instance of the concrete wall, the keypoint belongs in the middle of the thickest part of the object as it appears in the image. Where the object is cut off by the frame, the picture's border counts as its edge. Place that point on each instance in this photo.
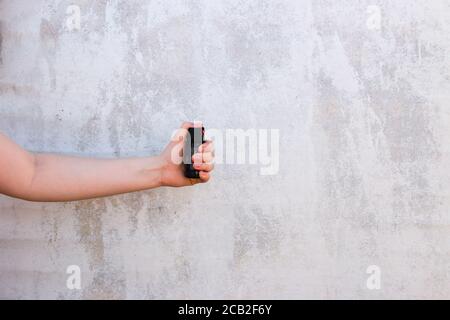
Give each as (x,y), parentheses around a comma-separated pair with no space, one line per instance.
(358,89)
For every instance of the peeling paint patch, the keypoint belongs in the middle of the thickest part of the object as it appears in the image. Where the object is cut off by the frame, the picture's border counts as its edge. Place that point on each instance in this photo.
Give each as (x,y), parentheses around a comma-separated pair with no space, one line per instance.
(49,41)
(257,234)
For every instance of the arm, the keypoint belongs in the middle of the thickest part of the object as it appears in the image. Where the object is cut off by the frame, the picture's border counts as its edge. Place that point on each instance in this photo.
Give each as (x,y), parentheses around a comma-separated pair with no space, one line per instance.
(46,177)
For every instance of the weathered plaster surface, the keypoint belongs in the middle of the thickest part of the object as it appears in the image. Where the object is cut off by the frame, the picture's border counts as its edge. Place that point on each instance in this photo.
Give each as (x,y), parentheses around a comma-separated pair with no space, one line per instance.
(365,139)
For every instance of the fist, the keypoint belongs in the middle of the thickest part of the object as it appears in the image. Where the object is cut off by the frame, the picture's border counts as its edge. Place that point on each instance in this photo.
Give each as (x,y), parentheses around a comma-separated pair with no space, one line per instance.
(172,172)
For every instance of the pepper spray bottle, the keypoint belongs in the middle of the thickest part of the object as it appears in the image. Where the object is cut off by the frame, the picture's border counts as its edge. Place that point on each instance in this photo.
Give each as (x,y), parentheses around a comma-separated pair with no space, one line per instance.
(194,139)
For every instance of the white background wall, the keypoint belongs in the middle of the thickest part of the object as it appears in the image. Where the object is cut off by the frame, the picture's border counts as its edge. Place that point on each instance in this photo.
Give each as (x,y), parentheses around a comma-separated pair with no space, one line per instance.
(364,127)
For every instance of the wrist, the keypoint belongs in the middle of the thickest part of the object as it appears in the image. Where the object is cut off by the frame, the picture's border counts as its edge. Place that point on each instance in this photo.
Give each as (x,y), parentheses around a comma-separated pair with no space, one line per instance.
(152,172)
(162,167)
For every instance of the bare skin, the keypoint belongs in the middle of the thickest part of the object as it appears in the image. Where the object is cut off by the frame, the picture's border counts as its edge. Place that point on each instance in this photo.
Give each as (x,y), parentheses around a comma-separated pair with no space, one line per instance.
(54,178)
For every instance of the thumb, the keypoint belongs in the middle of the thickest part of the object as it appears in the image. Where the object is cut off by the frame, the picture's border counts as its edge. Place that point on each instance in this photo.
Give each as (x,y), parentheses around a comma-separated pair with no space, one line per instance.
(177,143)
(179,135)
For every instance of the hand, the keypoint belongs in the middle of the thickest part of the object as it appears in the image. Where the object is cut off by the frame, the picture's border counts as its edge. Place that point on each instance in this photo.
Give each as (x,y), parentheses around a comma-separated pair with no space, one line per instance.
(172,172)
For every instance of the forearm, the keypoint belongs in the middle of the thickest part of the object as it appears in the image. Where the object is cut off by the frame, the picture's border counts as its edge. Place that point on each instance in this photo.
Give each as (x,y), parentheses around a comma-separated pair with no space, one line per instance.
(60,178)
(51,178)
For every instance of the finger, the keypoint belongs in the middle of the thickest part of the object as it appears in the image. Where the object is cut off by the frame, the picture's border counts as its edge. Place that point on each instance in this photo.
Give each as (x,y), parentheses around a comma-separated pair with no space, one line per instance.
(208,157)
(197,158)
(208,146)
(204,176)
(204,166)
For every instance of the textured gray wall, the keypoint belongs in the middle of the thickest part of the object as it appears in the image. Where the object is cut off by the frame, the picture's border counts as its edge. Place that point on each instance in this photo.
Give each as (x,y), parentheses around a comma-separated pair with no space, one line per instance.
(364,127)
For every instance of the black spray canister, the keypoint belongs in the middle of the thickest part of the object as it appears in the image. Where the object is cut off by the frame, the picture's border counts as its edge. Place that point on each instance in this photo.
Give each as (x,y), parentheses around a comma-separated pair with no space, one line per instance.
(194,139)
